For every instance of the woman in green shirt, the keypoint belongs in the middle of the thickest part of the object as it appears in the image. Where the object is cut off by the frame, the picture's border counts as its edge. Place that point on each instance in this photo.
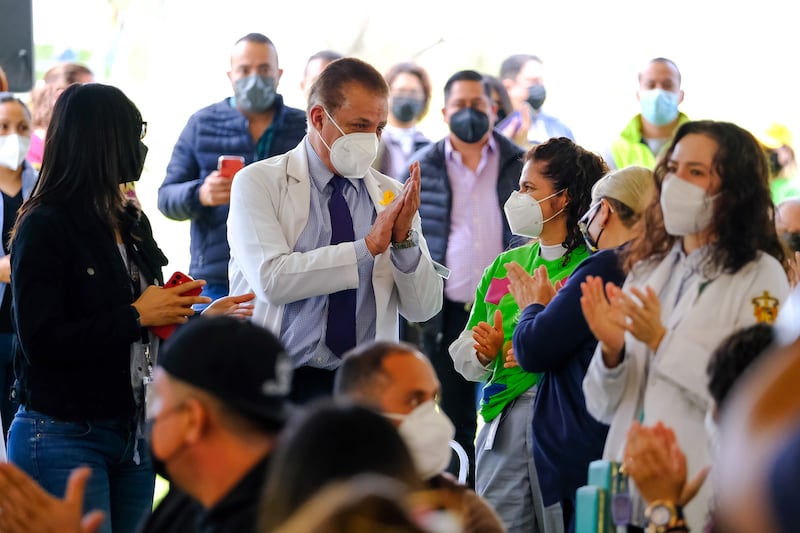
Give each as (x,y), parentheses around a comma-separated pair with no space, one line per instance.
(555,191)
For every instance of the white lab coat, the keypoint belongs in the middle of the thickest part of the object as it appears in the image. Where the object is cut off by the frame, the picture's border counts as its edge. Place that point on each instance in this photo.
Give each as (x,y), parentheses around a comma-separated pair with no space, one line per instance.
(269,209)
(676,390)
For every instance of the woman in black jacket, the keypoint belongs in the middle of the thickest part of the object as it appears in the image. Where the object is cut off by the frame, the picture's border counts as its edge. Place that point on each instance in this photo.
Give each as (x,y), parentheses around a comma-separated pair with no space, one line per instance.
(85,284)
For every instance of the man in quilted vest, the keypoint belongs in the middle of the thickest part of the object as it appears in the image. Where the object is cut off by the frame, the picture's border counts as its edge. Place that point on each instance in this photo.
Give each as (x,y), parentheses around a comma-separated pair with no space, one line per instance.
(253,124)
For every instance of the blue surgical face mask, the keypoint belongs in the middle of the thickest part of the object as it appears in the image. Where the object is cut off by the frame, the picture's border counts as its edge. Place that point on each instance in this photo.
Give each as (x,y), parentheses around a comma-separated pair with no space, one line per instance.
(659,107)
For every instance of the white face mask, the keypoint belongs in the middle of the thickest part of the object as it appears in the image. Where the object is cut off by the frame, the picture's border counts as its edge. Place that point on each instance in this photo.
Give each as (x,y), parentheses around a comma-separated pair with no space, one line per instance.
(427,432)
(13,149)
(687,208)
(524,214)
(353,153)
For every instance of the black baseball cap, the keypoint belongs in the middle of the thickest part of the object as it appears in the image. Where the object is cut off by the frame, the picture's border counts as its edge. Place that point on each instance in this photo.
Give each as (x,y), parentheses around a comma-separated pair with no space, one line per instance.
(241,364)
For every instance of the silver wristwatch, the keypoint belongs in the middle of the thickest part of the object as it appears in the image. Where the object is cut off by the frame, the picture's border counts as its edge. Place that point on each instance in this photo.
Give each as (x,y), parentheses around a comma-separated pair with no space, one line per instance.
(412,239)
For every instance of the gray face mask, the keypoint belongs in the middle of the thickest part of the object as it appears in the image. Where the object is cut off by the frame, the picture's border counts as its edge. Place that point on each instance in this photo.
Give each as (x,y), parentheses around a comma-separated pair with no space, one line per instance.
(254,94)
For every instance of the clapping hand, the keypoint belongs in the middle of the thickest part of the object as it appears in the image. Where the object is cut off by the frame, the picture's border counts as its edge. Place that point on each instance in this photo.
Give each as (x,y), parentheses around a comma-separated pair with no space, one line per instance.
(488,339)
(656,463)
(410,197)
(604,319)
(28,507)
(511,359)
(643,319)
(527,288)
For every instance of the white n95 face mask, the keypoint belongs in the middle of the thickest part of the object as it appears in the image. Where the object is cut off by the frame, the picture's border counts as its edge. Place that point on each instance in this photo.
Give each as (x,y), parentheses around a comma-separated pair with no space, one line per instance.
(353,153)
(13,149)
(427,433)
(687,208)
(524,214)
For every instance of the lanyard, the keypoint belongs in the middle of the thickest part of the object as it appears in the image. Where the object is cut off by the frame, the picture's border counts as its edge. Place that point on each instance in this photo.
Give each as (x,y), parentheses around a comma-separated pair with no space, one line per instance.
(134,274)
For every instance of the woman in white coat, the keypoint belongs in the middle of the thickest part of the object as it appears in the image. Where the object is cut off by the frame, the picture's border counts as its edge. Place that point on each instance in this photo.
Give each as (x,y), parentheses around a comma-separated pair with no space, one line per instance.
(708,263)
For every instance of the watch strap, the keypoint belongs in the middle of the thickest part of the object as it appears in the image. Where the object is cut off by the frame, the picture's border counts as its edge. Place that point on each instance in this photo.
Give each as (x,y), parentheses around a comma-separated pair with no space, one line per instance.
(409,242)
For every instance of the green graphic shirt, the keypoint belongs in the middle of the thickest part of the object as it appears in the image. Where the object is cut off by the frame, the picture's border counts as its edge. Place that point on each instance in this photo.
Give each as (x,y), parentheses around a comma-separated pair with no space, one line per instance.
(505,384)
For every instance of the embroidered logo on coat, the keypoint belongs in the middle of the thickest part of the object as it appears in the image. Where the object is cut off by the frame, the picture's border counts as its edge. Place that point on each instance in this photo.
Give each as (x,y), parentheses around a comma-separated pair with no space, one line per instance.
(765,308)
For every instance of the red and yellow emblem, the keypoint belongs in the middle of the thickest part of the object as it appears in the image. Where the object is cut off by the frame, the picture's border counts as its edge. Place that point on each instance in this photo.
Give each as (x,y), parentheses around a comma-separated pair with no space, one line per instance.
(765,308)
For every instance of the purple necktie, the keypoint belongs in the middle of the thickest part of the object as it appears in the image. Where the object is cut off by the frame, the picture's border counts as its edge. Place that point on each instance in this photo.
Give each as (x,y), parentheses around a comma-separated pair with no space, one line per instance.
(341,332)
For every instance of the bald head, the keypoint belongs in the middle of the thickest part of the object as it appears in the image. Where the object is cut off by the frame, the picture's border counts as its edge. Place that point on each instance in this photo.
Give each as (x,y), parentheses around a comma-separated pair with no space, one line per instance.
(254,54)
(787,223)
(666,67)
(393,377)
(787,216)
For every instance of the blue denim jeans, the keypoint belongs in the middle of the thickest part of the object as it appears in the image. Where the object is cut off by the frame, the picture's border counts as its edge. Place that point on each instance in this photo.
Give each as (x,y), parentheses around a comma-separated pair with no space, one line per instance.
(48,449)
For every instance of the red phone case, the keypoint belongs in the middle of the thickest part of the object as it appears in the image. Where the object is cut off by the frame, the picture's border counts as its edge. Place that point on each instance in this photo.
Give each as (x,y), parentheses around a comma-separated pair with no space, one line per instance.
(178,278)
(229,165)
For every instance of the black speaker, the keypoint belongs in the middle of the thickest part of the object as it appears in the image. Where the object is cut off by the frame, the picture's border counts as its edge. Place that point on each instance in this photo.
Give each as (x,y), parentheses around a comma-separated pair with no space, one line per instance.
(16,43)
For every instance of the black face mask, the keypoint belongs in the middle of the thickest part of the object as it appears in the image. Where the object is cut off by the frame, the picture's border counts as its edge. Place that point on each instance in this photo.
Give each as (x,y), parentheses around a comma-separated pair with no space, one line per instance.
(406,109)
(536,96)
(137,165)
(469,125)
(792,240)
(159,466)
(775,166)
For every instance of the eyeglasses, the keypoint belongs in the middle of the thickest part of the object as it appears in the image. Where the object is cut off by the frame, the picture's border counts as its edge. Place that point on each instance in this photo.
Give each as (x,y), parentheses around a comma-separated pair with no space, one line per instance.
(586,219)
(144,130)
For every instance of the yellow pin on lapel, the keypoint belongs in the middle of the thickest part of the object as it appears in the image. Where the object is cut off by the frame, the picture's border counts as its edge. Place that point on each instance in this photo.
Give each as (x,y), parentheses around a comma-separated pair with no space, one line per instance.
(388,196)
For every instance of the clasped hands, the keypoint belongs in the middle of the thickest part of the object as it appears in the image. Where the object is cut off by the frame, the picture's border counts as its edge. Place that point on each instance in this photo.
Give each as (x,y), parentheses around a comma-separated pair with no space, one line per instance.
(393,223)
(610,312)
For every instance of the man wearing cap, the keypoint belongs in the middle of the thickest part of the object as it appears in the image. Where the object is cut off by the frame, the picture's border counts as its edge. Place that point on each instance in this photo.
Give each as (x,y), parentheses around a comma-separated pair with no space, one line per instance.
(552,337)
(216,405)
(331,248)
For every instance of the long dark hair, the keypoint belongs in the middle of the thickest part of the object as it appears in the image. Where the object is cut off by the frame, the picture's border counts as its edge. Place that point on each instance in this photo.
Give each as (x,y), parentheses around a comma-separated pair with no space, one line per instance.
(92,145)
(744,216)
(356,441)
(571,167)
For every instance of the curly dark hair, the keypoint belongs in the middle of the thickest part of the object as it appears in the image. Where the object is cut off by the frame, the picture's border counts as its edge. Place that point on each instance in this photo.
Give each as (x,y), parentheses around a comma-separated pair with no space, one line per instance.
(733,357)
(571,167)
(744,216)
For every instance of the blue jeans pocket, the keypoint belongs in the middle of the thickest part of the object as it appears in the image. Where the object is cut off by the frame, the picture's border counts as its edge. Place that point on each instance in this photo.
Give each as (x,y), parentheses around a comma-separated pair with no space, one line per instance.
(38,443)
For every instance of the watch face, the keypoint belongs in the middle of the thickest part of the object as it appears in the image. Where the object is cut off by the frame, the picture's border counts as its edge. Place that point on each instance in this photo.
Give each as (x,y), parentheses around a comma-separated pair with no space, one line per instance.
(660,515)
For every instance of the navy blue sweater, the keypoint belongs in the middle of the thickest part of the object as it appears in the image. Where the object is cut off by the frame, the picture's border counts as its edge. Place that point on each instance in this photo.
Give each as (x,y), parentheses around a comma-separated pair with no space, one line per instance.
(557,341)
(219,129)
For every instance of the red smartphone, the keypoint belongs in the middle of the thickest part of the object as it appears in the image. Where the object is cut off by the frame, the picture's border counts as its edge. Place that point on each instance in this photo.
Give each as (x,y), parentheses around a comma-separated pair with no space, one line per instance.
(178,278)
(229,165)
